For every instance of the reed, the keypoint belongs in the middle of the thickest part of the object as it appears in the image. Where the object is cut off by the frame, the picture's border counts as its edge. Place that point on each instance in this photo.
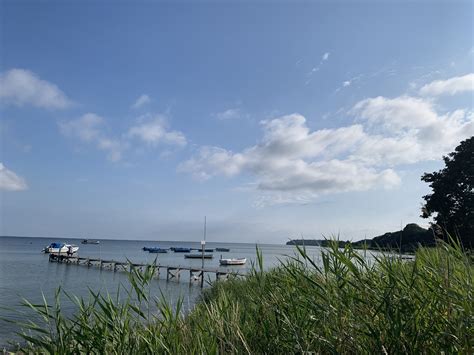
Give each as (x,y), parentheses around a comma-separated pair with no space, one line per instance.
(343,304)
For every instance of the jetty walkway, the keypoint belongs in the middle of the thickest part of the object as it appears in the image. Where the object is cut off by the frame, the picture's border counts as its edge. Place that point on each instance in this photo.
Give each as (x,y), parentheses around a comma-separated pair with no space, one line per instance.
(172,272)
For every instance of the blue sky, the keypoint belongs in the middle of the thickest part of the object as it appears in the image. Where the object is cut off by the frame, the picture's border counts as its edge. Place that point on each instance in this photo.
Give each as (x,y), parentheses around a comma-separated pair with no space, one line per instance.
(275,119)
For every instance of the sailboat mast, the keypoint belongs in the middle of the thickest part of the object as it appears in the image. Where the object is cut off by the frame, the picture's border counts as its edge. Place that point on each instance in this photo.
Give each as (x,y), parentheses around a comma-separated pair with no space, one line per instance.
(203,244)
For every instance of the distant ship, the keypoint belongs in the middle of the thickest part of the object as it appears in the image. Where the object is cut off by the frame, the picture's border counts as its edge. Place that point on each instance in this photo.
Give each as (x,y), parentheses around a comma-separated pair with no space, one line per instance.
(90,241)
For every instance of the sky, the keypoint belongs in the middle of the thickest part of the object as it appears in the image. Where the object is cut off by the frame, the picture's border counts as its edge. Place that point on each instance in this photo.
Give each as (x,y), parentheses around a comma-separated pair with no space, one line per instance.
(275,119)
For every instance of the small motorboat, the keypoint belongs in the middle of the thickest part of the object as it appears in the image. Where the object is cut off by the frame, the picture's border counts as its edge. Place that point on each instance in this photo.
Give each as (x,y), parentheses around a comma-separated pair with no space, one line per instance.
(90,241)
(181,250)
(233,261)
(157,250)
(61,248)
(206,250)
(222,249)
(198,256)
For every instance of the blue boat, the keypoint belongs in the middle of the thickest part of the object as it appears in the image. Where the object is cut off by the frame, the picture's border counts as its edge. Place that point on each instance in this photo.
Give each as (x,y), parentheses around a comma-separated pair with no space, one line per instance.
(157,250)
(181,250)
(198,256)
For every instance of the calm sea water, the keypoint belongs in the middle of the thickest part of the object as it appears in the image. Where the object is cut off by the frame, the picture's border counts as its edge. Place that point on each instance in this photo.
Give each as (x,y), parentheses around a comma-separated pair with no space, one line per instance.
(25,272)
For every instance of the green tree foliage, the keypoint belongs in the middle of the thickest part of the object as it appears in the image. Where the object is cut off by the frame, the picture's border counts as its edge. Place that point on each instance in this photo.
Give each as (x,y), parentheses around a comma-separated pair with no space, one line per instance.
(452,201)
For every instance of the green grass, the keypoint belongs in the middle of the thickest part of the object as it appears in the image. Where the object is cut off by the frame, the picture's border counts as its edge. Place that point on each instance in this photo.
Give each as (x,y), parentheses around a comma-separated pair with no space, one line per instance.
(344,304)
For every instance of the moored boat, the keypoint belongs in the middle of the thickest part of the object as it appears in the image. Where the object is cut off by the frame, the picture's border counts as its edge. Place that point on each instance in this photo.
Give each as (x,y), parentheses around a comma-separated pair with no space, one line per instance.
(198,256)
(59,248)
(222,249)
(233,261)
(90,241)
(207,250)
(181,250)
(157,250)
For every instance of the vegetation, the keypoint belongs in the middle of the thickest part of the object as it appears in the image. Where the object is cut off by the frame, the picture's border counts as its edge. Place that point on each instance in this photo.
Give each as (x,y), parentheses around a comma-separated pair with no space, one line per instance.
(452,200)
(340,302)
(406,240)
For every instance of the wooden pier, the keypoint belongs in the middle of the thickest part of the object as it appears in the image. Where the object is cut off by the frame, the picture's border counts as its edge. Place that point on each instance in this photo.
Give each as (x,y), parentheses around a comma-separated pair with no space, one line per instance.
(172,272)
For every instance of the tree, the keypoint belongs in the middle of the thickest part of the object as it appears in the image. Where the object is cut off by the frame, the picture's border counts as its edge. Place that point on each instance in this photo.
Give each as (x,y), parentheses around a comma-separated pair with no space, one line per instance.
(452,201)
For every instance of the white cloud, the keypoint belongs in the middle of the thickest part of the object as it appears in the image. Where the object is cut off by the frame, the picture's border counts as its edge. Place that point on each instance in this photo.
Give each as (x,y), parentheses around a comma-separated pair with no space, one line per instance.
(346,83)
(88,128)
(291,163)
(397,113)
(22,87)
(141,101)
(230,114)
(294,162)
(153,130)
(408,130)
(10,181)
(450,86)
(315,69)
(112,147)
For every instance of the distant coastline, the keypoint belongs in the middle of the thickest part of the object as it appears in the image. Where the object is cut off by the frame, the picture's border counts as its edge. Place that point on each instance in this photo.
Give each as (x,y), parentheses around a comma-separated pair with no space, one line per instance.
(406,240)
(309,242)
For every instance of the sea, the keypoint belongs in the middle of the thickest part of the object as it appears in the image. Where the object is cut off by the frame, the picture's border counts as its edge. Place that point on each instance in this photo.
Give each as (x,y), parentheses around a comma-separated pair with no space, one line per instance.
(27,274)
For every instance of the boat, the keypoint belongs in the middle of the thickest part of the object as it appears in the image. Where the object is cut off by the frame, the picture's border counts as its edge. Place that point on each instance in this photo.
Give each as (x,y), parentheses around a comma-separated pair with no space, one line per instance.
(233,261)
(198,256)
(200,252)
(157,250)
(149,248)
(222,249)
(207,250)
(181,250)
(90,241)
(59,248)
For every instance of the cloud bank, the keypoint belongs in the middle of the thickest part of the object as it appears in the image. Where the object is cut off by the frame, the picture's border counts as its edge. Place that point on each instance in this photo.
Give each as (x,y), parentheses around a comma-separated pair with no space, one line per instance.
(291,163)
